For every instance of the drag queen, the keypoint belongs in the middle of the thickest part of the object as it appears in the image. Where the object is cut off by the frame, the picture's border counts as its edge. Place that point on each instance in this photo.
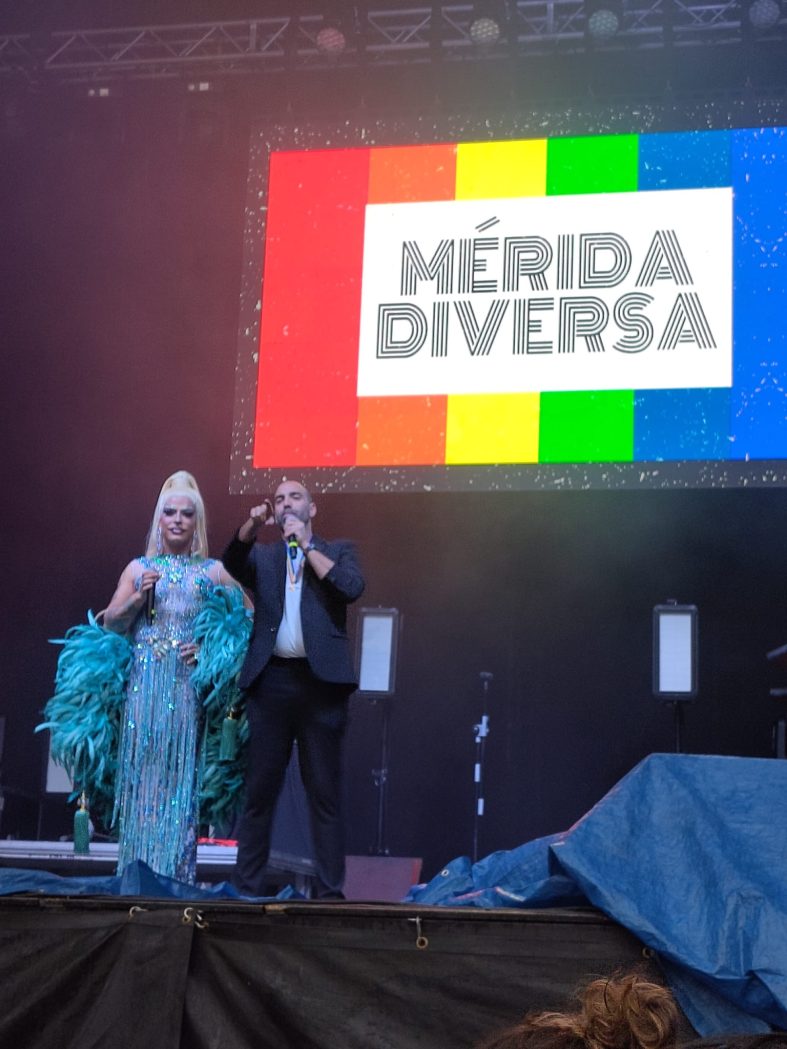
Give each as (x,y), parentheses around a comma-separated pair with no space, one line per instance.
(141,702)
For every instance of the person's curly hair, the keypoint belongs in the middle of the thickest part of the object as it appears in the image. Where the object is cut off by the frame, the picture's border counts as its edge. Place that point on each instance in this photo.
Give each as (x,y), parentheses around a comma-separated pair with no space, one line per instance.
(622,1012)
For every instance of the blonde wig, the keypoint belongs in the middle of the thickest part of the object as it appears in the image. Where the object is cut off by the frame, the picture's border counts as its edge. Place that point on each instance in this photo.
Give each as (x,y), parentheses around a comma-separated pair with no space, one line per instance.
(183,484)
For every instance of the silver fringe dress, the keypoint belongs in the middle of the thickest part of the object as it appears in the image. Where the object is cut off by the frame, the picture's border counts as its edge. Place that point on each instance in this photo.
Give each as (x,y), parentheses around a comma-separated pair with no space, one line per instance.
(156,800)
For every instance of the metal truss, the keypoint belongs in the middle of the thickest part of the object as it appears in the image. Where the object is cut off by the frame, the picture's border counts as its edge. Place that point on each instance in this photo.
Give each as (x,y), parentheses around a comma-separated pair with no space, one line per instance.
(15,53)
(375,36)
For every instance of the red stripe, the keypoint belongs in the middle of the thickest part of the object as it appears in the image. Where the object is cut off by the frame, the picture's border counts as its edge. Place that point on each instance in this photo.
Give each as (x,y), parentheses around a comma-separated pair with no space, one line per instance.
(311,299)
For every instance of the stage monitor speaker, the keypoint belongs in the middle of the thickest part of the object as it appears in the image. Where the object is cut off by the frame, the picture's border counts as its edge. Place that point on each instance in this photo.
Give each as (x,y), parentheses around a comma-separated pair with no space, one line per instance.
(675,651)
(380,879)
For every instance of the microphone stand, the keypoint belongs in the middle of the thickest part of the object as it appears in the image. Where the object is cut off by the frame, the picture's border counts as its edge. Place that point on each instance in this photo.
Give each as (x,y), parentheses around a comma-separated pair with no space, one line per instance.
(380,778)
(481,732)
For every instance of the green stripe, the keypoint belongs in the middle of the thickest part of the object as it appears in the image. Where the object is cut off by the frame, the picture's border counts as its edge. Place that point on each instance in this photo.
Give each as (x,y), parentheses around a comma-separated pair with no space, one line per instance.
(592,164)
(586,427)
(583,427)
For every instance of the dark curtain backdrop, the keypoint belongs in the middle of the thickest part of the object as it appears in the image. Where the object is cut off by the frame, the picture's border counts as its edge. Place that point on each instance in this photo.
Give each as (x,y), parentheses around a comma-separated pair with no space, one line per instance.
(121,260)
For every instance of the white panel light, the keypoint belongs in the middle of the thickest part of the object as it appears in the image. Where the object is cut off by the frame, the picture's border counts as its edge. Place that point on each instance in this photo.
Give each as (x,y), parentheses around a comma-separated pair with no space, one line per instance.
(378,633)
(675,651)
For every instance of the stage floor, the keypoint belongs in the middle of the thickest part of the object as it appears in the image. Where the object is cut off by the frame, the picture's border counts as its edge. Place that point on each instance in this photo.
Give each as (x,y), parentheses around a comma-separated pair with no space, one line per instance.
(383,879)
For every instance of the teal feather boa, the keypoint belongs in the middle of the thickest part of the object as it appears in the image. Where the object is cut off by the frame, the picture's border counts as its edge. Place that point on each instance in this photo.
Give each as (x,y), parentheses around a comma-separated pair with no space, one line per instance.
(84,714)
(222,630)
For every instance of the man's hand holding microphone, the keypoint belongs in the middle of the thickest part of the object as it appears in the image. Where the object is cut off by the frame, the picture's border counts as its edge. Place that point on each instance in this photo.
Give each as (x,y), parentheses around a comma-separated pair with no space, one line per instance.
(294,532)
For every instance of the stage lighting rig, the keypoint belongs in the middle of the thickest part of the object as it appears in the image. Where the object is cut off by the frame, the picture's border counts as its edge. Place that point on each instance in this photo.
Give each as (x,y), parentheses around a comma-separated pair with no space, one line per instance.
(484,31)
(338,28)
(378,640)
(331,40)
(488,23)
(603,18)
(764,14)
(675,658)
(337,34)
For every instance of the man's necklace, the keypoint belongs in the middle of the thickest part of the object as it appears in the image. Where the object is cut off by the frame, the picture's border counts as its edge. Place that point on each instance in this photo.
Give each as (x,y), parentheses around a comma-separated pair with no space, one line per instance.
(294,574)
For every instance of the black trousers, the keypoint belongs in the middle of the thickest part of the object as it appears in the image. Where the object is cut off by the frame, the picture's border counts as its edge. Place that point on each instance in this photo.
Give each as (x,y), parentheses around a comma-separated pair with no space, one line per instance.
(287,703)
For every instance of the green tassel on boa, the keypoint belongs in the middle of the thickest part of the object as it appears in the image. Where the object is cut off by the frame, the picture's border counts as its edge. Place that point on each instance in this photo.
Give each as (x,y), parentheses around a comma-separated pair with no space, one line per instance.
(83,716)
(222,630)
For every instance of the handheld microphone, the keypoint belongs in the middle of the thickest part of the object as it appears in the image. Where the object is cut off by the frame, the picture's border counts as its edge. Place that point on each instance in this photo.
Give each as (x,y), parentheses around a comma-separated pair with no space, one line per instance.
(150,604)
(292,542)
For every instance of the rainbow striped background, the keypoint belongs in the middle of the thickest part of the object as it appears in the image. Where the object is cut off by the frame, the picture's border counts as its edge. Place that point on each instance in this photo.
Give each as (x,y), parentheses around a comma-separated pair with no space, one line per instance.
(308,413)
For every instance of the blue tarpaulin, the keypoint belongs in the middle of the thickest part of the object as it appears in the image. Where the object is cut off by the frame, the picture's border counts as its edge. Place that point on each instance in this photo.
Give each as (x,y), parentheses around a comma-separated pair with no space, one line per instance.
(689,853)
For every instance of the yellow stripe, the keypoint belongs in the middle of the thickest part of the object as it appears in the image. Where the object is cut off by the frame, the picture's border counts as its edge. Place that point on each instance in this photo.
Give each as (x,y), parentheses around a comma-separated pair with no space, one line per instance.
(501,169)
(492,428)
(496,428)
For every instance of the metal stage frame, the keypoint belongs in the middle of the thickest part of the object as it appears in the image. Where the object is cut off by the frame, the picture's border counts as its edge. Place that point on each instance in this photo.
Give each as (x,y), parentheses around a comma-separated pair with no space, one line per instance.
(374,37)
(214,862)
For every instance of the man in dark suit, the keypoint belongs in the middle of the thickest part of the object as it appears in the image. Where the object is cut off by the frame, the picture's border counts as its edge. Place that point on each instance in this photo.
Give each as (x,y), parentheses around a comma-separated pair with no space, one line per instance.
(298,676)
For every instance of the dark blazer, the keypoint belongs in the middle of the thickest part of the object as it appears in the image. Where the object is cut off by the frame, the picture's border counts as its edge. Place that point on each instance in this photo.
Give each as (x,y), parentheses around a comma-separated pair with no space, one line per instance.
(262,568)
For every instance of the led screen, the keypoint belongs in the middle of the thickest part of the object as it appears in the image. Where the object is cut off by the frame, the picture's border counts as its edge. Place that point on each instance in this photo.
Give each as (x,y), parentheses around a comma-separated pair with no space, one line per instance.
(568,310)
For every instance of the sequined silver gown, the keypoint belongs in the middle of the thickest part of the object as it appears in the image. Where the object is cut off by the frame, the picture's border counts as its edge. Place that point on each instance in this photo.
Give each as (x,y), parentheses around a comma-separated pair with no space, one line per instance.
(156,801)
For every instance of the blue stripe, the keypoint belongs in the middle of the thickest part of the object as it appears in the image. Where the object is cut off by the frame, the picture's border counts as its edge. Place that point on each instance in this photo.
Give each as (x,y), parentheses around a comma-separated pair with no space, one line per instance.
(686,160)
(681,424)
(759,403)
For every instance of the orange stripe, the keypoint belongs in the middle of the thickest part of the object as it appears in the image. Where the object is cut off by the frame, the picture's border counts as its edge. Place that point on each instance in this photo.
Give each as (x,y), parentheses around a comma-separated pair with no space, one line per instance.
(401,431)
(412,173)
(397,431)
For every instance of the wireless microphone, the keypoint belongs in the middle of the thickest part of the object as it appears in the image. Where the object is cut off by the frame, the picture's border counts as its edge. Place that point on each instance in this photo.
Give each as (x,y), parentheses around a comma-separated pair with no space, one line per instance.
(292,542)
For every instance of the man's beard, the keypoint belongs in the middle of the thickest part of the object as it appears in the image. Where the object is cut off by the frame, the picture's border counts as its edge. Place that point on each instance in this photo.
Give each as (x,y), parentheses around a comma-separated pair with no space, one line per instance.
(300,515)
